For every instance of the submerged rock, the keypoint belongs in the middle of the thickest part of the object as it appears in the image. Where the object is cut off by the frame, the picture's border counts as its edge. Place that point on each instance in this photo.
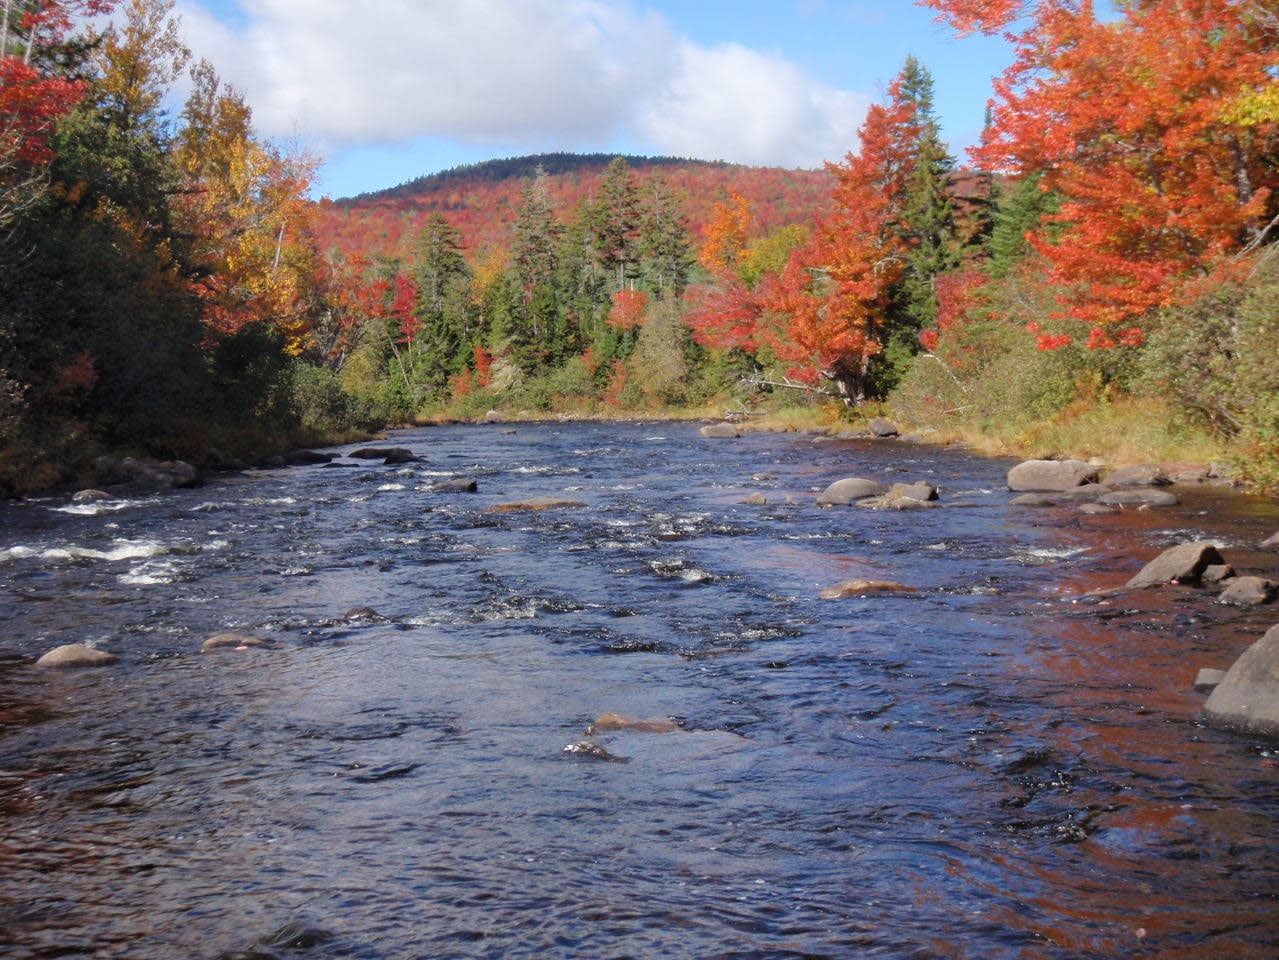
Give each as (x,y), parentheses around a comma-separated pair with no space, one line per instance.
(456,485)
(1050,475)
(615,721)
(1182,564)
(1033,500)
(534,504)
(1139,497)
(858,588)
(76,655)
(231,641)
(1247,698)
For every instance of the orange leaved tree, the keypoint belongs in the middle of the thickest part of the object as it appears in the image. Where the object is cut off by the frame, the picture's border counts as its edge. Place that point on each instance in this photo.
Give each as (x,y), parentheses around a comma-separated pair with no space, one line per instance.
(836,291)
(1154,129)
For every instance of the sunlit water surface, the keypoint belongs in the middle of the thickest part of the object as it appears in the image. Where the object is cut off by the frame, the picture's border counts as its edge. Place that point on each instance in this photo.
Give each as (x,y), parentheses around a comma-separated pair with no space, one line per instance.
(987,766)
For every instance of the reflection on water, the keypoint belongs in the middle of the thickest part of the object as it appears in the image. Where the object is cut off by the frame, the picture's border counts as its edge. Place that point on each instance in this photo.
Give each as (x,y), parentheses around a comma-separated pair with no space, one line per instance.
(989,766)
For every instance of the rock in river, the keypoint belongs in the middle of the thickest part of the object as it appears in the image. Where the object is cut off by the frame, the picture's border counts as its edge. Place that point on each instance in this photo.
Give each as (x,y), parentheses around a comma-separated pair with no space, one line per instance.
(1247,698)
(230,641)
(1049,475)
(850,490)
(75,655)
(857,588)
(720,431)
(535,503)
(1182,564)
(1249,592)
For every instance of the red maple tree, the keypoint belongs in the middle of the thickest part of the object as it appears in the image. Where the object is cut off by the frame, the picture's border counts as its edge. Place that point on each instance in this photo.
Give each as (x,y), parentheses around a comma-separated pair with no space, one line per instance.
(1130,121)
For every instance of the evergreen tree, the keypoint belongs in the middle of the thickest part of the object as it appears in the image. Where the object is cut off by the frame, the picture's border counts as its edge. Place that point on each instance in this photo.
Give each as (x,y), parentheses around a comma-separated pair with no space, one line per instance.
(615,221)
(1018,211)
(443,342)
(928,210)
(665,250)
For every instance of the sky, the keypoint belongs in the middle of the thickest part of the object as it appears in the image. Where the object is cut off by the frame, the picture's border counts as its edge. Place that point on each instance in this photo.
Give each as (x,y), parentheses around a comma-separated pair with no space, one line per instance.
(385,91)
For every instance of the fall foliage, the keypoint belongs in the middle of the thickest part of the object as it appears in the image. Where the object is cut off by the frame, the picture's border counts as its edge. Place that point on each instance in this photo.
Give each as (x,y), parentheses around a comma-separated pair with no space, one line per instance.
(1154,130)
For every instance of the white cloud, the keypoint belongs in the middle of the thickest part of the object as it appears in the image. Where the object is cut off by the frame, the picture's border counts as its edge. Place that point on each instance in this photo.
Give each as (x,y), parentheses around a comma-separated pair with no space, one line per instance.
(536,74)
(729,102)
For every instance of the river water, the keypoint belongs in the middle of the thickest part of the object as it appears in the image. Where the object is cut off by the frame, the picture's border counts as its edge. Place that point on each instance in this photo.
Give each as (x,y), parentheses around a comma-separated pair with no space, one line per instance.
(990,765)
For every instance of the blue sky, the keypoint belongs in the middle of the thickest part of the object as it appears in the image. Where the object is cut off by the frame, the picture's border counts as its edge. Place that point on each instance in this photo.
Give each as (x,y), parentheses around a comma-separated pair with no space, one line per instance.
(383,91)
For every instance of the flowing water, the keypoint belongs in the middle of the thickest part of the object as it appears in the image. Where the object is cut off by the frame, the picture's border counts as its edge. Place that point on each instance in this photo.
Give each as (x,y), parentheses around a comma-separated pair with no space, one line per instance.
(990,765)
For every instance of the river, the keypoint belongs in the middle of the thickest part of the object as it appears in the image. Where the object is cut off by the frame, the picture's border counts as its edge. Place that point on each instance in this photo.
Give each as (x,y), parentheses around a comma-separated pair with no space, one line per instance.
(990,765)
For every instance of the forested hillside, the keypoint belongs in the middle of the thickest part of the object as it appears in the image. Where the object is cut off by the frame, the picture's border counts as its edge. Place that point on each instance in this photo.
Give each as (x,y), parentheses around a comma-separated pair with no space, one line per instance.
(482,200)
(1110,260)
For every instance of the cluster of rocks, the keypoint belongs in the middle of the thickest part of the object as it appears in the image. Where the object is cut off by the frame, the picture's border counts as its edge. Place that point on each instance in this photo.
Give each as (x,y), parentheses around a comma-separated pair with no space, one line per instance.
(1246,696)
(1046,483)
(137,475)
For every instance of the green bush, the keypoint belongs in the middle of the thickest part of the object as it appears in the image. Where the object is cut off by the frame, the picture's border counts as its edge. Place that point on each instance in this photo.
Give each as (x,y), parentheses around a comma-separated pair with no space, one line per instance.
(1216,359)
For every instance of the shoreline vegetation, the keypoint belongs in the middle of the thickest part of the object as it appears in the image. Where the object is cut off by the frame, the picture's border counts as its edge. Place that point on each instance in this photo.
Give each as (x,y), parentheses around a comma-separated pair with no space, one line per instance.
(1102,282)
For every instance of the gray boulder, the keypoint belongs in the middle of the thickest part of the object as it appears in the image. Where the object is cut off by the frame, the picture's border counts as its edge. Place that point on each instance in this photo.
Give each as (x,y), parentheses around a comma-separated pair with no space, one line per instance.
(1138,475)
(75,655)
(1181,564)
(1247,698)
(883,428)
(456,485)
(163,475)
(720,431)
(850,490)
(1046,476)
(387,454)
(919,490)
(1271,542)
(1249,592)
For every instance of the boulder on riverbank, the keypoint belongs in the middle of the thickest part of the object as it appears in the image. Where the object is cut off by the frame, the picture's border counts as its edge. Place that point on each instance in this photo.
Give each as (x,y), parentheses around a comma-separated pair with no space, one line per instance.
(1047,476)
(149,477)
(1181,564)
(76,655)
(883,428)
(1247,698)
(724,431)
